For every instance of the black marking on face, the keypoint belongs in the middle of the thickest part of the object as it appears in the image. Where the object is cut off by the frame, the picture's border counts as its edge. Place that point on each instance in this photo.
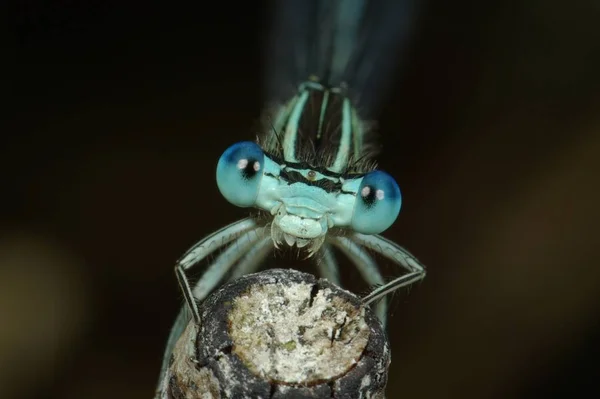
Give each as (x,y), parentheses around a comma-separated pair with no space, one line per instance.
(293,176)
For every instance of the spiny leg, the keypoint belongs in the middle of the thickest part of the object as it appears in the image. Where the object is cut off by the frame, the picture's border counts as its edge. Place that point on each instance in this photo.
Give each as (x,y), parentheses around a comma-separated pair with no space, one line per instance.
(327,265)
(184,314)
(214,241)
(202,249)
(398,255)
(223,263)
(242,249)
(367,268)
(211,278)
(252,260)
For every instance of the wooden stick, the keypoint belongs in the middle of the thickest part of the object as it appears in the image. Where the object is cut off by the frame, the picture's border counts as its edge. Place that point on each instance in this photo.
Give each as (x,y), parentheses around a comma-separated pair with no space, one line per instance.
(280,333)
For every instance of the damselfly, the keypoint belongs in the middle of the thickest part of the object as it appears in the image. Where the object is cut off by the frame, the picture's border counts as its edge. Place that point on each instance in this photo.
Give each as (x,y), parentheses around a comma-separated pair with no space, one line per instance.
(312,172)
(319,197)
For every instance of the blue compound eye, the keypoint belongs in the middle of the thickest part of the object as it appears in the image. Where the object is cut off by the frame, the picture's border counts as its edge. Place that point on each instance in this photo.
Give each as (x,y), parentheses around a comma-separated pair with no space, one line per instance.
(239,173)
(377,203)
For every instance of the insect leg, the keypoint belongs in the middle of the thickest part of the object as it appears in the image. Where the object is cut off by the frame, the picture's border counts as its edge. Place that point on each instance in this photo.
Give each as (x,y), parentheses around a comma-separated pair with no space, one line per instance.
(202,249)
(327,265)
(398,255)
(252,260)
(366,266)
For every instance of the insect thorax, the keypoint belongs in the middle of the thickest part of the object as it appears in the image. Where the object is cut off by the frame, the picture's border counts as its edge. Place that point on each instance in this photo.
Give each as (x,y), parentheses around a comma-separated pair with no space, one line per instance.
(320,127)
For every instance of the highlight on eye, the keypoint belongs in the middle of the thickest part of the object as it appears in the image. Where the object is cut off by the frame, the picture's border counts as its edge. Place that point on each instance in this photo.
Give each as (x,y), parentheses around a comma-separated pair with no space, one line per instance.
(239,173)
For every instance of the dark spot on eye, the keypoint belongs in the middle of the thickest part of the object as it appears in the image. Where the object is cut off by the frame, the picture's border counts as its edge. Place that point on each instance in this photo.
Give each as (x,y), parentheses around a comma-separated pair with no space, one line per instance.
(369,196)
(250,170)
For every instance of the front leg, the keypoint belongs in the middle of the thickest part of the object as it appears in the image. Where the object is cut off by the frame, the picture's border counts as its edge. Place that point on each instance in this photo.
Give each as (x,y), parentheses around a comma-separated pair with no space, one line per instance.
(200,251)
(397,254)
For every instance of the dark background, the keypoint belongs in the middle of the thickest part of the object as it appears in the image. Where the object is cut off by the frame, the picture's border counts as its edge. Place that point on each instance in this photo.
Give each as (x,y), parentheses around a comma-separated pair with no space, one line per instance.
(117,113)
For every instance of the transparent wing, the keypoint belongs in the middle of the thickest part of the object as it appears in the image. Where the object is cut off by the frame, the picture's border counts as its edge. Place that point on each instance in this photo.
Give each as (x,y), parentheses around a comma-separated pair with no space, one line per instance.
(359,43)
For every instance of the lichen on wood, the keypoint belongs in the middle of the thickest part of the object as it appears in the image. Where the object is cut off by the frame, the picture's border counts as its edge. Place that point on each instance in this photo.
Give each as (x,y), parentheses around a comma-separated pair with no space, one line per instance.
(280,333)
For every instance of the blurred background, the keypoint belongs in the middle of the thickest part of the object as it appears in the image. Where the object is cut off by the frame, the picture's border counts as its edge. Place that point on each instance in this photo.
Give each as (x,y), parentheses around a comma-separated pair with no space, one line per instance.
(117,113)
